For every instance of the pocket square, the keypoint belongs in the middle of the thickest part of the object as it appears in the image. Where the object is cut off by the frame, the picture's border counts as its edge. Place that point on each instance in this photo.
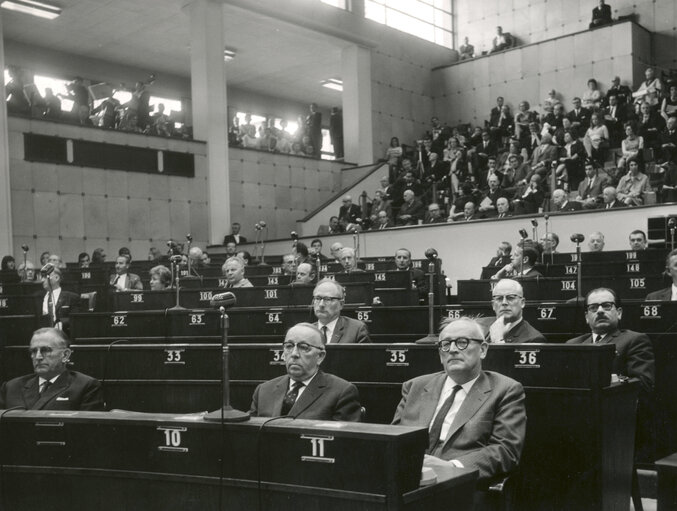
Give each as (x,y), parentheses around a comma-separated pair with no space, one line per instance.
(62,399)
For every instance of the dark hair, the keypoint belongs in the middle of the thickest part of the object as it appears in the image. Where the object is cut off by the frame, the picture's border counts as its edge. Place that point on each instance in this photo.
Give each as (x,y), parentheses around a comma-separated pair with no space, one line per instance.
(617,300)
(246,256)
(639,231)
(301,249)
(316,240)
(531,254)
(96,256)
(163,272)
(6,260)
(82,255)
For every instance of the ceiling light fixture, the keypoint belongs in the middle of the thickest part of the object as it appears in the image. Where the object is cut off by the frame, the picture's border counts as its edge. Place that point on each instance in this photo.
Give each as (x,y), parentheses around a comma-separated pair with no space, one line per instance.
(333,84)
(39,9)
(228,55)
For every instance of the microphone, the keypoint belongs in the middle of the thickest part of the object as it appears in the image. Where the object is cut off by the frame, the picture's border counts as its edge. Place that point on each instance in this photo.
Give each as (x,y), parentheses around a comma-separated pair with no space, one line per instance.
(294,236)
(176,259)
(431,254)
(577,238)
(672,222)
(189,237)
(534,222)
(171,243)
(24,247)
(226,299)
(546,217)
(47,269)
(262,224)
(523,233)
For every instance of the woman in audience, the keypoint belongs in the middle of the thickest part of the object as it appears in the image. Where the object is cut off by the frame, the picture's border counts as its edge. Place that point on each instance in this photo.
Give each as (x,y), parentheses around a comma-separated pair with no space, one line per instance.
(569,172)
(394,153)
(631,146)
(160,278)
(455,155)
(8,263)
(98,257)
(592,98)
(596,140)
(633,185)
(669,105)
(9,274)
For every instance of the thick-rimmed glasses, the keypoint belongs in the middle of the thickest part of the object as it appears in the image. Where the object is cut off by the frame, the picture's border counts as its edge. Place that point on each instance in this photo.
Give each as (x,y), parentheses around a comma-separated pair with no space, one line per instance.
(303,347)
(461,343)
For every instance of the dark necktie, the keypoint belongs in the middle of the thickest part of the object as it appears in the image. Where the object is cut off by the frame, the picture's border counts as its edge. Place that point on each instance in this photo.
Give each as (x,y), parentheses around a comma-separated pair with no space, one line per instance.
(290,397)
(50,307)
(597,338)
(324,334)
(45,386)
(436,429)
(115,282)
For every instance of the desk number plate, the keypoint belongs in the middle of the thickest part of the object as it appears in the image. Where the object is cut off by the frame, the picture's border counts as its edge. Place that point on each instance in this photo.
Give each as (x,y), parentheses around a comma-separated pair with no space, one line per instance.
(527,359)
(171,439)
(396,358)
(317,447)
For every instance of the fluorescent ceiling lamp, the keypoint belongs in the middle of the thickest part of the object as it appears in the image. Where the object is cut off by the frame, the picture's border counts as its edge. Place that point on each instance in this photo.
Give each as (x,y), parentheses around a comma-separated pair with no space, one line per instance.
(333,83)
(39,9)
(228,55)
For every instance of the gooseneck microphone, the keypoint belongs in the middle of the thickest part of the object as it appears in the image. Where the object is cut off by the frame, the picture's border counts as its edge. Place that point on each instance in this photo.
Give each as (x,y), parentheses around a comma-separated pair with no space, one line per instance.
(226,299)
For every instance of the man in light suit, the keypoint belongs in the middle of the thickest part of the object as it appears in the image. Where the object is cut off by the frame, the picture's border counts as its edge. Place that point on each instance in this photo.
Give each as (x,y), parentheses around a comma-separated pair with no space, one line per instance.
(634,357)
(669,293)
(509,326)
(54,309)
(476,419)
(306,392)
(328,299)
(52,386)
(122,280)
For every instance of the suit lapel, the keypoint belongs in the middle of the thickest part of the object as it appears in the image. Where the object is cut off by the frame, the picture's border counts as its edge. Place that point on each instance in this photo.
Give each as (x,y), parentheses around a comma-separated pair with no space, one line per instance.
(310,394)
(338,332)
(61,384)
(473,401)
(30,392)
(278,396)
(430,397)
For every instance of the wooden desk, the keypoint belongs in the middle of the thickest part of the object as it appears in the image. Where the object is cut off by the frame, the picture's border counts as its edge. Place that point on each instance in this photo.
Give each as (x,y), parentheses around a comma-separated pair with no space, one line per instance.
(667,483)
(114,461)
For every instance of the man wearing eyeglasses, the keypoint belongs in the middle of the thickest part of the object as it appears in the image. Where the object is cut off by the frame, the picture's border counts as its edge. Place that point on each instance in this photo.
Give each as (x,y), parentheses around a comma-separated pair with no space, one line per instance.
(507,300)
(634,354)
(475,419)
(306,392)
(328,299)
(52,386)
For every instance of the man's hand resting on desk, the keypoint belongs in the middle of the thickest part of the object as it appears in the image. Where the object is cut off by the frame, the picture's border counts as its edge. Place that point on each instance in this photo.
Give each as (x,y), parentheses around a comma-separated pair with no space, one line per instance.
(432,462)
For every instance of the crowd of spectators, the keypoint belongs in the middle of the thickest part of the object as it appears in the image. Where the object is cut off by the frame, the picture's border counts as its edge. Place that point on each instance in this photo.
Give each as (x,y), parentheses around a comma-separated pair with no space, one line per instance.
(135,115)
(565,158)
(305,141)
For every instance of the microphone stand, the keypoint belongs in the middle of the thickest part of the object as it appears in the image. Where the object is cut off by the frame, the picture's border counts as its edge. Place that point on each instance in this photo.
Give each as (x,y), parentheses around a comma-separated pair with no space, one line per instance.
(257,232)
(356,244)
(26,255)
(671,225)
(50,291)
(189,239)
(431,338)
(177,273)
(579,273)
(318,263)
(226,413)
(263,259)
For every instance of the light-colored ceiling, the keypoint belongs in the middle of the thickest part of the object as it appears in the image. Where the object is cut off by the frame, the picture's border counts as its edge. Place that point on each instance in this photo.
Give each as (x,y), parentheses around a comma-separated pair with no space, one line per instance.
(273,57)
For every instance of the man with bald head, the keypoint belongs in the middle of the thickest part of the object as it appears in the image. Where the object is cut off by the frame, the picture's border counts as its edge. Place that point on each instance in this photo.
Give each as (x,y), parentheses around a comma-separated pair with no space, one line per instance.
(328,299)
(306,392)
(596,242)
(562,202)
(509,326)
(233,270)
(411,211)
(503,208)
(468,212)
(476,419)
(335,250)
(610,200)
(51,386)
(305,274)
(349,212)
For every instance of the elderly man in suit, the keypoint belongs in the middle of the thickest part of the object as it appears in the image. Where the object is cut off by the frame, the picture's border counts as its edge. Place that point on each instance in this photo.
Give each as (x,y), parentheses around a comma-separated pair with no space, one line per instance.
(51,386)
(475,419)
(306,392)
(56,304)
(634,357)
(509,326)
(122,280)
(669,294)
(328,299)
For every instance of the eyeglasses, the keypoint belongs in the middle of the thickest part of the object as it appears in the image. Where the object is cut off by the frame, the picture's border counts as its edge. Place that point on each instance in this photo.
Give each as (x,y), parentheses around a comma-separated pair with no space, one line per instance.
(461,343)
(325,299)
(607,306)
(507,298)
(43,350)
(303,347)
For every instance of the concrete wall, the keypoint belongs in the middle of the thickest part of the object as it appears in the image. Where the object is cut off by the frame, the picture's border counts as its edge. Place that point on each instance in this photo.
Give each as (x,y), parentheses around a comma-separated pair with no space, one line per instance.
(466,92)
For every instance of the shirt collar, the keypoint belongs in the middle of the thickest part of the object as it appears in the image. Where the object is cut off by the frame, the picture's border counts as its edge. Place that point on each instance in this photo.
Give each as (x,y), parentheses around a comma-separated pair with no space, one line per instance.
(465,386)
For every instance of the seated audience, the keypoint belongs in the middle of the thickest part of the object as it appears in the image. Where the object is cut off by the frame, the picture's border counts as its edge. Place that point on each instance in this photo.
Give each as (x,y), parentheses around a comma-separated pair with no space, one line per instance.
(622,93)
(382,222)
(562,203)
(349,261)
(502,255)
(596,242)
(466,50)
(631,146)
(569,172)
(328,299)
(434,215)
(411,211)
(530,200)
(668,294)
(289,265)
(55,305)
(503,208)
(349,212)
(403,263)
(26,272)
(596,140)
(122,280)
(160,278)
(521,265)
(378,204)
(633,185)
(488,205)
(306,392)
(590,189)
(476,419)
(305,275)
(549,243)
(592,97)
(669,104)
(579,116)
(335,250)
(651,125)
(649,91)
(509,326)
(52,386)
(502,40)
(615,116)
(233,270)
(468,213)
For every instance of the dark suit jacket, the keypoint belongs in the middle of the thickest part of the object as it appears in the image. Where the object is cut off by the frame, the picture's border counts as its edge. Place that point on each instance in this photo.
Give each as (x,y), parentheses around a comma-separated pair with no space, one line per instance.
(416,209)
(664,295)
(327,397)
(521,333)
(349,331)
(488,431)
(615,204)
(229,237)
(350,215)
(133,282)
(583,118)
(595,191)
(601,16)
(634,355)
(66,304)
(571,206)
(71,391)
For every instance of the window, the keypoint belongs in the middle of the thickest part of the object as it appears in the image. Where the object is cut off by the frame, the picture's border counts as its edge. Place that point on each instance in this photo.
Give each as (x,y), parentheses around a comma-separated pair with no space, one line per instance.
(428,19)
(57,85)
